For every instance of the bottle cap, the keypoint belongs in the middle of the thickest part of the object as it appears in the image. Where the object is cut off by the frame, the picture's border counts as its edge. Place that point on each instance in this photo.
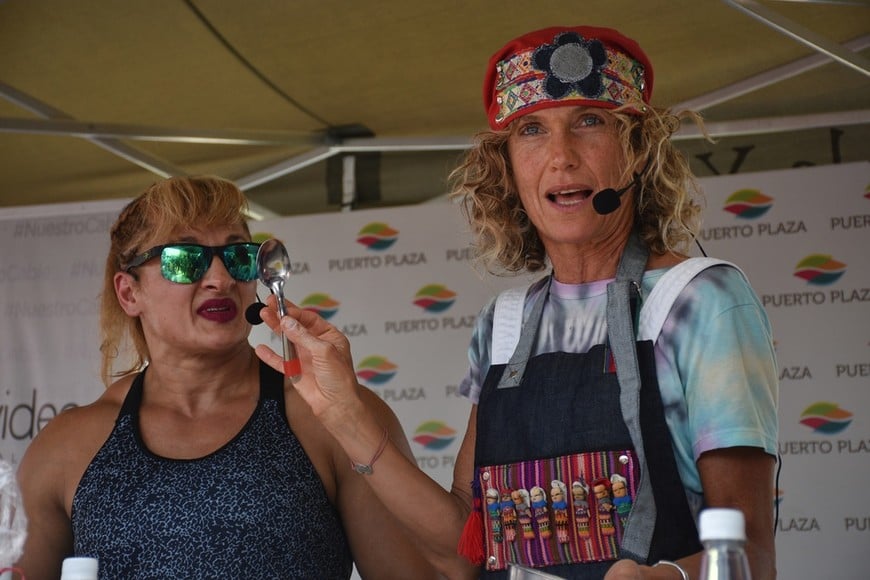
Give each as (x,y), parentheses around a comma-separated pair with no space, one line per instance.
(79,568)
(722,524)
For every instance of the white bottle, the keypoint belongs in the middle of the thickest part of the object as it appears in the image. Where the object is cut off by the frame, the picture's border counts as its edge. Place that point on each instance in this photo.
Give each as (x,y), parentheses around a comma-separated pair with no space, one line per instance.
(79,569)
(722,532)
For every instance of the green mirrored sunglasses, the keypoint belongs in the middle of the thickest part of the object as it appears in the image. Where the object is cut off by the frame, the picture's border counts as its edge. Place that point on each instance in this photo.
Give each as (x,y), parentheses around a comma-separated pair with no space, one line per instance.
(187,263)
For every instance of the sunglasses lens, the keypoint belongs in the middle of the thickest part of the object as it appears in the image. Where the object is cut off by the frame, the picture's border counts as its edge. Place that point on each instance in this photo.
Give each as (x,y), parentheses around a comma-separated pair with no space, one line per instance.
(187,263)
(184,264)
(241,261)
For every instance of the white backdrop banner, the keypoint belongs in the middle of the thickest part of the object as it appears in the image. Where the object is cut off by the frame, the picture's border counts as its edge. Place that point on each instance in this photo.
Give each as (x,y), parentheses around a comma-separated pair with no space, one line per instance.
(399,282)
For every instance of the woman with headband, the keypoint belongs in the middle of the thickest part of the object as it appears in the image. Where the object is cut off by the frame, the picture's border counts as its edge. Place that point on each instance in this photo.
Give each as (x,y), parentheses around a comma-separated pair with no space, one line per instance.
(625,358)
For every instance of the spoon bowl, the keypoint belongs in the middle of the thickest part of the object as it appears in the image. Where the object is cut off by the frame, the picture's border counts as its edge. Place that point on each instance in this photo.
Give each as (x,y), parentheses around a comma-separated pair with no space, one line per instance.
(273,270)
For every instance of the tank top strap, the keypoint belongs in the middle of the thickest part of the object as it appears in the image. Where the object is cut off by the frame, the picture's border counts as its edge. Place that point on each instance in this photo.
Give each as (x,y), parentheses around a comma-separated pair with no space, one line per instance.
(271,384)
(133,400)
(271,388)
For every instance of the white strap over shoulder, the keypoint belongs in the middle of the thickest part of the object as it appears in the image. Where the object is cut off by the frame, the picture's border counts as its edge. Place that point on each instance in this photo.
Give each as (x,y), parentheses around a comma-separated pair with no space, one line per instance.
(507,323)
(658,304)
(508,313)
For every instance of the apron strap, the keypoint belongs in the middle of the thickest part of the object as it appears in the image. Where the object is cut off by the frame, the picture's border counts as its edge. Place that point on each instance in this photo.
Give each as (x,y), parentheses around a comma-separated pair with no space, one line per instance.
(623,297)
(516,366)
(623,302)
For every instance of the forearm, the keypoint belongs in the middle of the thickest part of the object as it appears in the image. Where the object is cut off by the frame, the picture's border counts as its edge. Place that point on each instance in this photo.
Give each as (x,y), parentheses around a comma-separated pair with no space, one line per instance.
(433,516)
(761,554)
(355,417)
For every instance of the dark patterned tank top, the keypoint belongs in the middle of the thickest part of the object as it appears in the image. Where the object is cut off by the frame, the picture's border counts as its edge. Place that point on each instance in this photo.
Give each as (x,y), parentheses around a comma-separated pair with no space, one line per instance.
(255,508)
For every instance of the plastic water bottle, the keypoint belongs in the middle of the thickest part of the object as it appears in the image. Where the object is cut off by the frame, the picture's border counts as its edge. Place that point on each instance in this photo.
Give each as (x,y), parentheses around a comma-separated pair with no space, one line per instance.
(722,532)
(79,569)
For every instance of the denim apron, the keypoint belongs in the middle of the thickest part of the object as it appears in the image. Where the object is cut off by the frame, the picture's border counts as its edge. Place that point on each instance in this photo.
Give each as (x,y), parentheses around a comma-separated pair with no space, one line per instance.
(574,467)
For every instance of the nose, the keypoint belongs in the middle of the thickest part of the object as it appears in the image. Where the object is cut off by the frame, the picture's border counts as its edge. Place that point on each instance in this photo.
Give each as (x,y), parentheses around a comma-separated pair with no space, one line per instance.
(562,151)
(217,274)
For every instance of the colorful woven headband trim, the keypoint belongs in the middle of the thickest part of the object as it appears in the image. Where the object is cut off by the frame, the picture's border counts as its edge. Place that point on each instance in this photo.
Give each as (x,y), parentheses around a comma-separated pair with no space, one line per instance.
(571,70)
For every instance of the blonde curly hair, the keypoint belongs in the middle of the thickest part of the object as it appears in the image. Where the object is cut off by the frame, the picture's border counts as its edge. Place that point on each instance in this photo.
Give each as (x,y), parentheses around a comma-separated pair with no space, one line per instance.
(153,217)
(667,210)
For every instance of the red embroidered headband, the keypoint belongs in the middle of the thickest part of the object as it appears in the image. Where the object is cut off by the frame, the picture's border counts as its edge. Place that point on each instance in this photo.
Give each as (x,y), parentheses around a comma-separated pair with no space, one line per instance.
(580,65)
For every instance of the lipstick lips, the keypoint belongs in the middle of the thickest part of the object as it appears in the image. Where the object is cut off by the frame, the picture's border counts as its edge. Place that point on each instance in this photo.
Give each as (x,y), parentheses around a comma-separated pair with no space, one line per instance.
(218,310)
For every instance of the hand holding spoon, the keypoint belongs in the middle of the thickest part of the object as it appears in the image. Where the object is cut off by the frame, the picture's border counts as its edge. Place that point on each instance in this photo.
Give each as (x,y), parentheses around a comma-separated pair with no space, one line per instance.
(273,269)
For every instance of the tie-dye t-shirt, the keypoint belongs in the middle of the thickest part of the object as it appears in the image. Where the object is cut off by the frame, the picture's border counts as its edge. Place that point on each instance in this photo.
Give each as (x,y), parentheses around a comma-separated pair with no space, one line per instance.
(714,358)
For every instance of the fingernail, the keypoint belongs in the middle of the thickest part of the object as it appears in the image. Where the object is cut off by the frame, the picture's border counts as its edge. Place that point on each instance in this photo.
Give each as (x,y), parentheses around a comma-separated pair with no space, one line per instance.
(288,323)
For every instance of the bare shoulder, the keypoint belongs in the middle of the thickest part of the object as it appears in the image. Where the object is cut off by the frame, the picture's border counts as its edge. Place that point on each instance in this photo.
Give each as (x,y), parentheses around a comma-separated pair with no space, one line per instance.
(76,426)
(65,446)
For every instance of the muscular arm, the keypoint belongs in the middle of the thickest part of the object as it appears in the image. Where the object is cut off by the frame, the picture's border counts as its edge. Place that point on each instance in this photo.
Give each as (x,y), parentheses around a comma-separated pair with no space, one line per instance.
(49,475)
(735,477)
(41,476)
(742,477)
(381,544)
(431,517)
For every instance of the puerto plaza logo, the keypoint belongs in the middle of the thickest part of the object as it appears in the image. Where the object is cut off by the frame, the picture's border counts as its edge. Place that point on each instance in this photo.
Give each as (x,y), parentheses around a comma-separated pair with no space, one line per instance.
(434,298)
(320,303)
(826,418)
(748,203)
(434,435)
(820,269)
(376,370)
(377,236)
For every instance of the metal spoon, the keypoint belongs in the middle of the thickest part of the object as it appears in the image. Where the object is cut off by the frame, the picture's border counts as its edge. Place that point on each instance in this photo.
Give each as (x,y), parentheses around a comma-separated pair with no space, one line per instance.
(273,269)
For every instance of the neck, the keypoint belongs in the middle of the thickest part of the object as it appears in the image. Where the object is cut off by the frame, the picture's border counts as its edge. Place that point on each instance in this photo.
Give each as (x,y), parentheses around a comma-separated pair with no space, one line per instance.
(194,384)
(587,263)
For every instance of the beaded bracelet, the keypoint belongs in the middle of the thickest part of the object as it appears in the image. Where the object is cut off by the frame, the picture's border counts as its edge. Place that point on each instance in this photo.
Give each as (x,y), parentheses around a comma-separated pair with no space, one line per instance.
(366,468)
(684,575)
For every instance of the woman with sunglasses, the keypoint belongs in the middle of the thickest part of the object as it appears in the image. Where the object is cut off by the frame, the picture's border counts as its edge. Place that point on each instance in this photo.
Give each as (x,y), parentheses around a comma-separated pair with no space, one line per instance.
(197,462)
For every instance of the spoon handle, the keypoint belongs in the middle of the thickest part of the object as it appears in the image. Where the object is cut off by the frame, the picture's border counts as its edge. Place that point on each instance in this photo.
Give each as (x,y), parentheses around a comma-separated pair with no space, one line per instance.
(292,366)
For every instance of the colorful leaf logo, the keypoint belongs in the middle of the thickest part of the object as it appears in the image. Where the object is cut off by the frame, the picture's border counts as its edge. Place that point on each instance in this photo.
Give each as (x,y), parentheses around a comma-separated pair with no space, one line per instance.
(434,435)
(260,237)
(377,236)
(376,370)
(434,298)
(827,418)
(322,304)
(820,269)
(748,203)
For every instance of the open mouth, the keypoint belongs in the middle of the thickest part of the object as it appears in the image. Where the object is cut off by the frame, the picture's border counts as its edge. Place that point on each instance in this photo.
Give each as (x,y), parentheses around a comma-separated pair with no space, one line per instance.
(569,196)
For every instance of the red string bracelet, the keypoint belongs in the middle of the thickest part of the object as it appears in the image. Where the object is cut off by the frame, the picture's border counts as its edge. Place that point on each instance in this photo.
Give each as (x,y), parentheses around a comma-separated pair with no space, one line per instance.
(366,468)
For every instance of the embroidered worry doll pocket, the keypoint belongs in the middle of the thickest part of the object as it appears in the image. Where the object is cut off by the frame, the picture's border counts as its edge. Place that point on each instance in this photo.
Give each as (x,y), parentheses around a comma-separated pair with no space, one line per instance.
(563,510)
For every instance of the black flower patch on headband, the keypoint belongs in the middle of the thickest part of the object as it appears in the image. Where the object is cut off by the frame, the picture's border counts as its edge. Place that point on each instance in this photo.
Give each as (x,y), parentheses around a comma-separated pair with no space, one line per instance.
(571,62)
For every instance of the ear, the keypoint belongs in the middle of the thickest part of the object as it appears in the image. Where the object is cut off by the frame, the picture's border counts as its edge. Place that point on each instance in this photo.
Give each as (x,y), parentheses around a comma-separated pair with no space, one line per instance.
(126,288)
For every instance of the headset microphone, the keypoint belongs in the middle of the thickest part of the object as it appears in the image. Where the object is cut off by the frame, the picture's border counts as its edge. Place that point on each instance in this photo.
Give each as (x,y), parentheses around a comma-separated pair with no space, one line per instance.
(607,200)
(252,313)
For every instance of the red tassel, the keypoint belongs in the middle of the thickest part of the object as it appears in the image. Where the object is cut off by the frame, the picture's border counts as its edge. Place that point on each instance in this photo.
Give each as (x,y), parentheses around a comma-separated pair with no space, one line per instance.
(471,540)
